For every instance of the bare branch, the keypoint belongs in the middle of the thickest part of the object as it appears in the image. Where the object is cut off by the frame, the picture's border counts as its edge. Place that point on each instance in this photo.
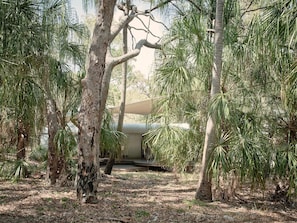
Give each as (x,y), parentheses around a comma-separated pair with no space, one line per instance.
(142,22)
(253,10)
(195,5)
(178,9)
(156,21)
(158,6)
(132,36)
(246,10)
(116,29)
(124,20)
(118,60)
(148,44)
(144,30)
(147,29)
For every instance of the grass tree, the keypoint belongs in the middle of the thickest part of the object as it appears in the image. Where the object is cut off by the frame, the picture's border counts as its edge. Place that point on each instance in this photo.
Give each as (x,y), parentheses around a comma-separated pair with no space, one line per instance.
(195,81)
(182,82)
(254,108)
(20,94)
(277,23)
(38,55)
(63,36)
(251,146)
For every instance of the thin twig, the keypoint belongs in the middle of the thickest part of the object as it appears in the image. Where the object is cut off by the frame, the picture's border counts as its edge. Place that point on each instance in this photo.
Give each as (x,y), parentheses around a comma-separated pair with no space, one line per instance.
(256,9)
(157,6)
(195,5)
(178,9)
(156,21)
(144,30)
(132,36)
(245,11)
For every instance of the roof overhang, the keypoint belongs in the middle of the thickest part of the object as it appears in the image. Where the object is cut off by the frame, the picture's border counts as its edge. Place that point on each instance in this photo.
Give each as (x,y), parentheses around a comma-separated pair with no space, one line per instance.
(144,107)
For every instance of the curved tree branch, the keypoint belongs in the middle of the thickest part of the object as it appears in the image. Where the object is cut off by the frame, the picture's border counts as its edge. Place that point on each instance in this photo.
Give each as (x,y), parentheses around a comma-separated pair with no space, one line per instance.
(118,60)
(116,29)
(158,6)
(124,20)
(143,30)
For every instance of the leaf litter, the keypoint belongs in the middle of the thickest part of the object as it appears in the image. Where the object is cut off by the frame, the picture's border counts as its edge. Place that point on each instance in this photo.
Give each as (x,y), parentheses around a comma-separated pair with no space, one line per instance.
(132,197)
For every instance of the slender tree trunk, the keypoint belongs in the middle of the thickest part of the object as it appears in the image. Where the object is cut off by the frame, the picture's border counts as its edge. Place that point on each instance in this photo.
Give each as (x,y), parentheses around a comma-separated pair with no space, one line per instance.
(53,127)
(21,145)
(112,157)
(21,142)
(204,191)
(91,111)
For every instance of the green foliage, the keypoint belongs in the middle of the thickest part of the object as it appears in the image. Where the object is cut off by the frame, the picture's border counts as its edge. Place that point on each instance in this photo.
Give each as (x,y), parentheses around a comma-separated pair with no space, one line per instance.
(111,139)
(195,202)
(220,160)
(142,213)
(20,169)
(66,143)
(174,146)
(38,154)
(14,169)
(256,108)
(40,49)
(284,167)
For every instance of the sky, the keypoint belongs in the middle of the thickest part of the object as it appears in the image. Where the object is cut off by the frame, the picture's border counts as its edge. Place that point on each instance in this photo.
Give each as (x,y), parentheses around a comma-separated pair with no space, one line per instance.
(145,60)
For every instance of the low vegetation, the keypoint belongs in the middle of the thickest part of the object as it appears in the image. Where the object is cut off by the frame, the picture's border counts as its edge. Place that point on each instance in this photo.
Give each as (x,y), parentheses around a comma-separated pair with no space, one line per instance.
(135,197)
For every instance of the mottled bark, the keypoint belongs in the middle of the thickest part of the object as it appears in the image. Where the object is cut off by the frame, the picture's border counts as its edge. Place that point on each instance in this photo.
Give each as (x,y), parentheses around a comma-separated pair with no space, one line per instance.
(204,190)
(95,88)
(92,103)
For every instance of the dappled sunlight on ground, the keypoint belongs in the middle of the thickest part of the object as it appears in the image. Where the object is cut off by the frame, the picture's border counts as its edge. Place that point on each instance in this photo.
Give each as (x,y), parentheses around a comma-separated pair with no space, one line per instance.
(132,197)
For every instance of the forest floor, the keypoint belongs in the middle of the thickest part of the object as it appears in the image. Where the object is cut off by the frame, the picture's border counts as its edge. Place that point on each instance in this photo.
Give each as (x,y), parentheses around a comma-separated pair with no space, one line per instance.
(133,197)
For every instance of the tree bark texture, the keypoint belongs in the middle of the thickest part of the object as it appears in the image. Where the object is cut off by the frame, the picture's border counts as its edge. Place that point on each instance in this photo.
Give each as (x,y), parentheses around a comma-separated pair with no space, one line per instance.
(53,127)
(92,102)
(95,88)
(204,190)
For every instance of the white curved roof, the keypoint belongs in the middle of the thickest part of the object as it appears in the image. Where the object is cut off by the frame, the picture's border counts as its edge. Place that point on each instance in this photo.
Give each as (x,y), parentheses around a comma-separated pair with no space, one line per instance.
(144,107)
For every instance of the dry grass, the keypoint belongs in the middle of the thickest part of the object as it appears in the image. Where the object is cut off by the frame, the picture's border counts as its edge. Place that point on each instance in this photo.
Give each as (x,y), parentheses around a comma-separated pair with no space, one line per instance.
(132,197)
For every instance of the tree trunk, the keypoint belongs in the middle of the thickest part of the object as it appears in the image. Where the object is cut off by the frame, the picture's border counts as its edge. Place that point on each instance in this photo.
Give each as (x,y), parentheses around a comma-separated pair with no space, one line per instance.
(91,111)
(110,163)
(53,127)
(112,157)
(204,191)
(21,142)
(21,145)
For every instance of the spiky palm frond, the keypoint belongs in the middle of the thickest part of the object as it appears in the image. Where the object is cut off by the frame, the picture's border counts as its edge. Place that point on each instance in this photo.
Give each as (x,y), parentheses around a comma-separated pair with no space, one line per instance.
(173,146)
(110,138)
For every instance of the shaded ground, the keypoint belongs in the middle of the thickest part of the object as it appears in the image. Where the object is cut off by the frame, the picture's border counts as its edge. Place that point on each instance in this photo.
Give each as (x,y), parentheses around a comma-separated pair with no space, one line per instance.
(131,197)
